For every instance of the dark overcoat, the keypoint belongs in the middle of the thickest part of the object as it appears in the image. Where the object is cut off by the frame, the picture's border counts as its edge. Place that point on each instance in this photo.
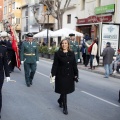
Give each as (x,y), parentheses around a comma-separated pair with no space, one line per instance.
(3,63)
(108,54)
(65,69)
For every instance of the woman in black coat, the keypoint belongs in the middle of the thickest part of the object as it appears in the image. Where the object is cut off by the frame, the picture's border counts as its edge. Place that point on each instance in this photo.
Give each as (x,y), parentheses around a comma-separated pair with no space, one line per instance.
(65,71)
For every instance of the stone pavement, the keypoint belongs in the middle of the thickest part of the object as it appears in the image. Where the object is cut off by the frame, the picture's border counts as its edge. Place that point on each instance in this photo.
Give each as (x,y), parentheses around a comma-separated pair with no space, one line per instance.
(99,69)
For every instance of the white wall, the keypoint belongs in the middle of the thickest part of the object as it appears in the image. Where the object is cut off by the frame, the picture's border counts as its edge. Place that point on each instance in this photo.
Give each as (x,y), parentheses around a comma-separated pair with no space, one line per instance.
(73,14)
(107,2)
(117,17)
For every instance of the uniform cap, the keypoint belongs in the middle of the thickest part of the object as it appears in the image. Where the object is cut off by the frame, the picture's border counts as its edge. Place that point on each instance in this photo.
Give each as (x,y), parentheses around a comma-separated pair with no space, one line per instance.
(71,34)
(29,35)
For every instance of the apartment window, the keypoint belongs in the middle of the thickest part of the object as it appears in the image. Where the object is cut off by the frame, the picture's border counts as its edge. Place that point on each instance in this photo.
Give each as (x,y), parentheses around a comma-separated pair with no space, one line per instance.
(68,18)
(17,20)
(9,8)
(83,4)
(5,10)
(13,5)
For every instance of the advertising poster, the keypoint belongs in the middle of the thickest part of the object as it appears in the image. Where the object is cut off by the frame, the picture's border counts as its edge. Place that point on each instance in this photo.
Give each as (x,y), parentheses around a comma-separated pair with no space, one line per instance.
(110,33)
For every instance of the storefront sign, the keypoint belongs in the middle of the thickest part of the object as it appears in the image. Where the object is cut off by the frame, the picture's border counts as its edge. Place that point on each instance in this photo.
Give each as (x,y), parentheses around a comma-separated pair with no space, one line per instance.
(105,9)
(95,19)
(110,33)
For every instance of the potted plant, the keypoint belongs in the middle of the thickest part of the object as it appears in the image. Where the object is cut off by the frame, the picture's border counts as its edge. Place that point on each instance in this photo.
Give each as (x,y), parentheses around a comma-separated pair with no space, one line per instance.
(52,51)
(40,51)
(45,51)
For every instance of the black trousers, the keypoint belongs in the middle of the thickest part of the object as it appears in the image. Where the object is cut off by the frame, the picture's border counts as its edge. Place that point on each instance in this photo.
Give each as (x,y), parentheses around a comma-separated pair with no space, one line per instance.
(1,84)
(62,97)
(84,58)
(87,60)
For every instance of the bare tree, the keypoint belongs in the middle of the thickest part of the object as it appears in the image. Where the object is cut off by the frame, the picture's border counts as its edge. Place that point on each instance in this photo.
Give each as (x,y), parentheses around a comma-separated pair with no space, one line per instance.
(39,17)
(55,9)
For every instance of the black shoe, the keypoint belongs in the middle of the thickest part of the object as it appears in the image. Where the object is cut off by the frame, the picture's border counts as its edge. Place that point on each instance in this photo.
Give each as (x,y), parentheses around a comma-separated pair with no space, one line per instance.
(60,103)
(119,101)
(28,84)
(31,83)
(65,111)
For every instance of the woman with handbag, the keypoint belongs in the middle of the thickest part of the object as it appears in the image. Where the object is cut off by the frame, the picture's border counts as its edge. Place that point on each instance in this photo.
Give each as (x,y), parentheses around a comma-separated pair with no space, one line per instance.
(65,72)
(93,52)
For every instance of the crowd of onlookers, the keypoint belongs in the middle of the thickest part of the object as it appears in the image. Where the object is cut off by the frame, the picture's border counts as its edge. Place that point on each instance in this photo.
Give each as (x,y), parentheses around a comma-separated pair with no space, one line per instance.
(89,53)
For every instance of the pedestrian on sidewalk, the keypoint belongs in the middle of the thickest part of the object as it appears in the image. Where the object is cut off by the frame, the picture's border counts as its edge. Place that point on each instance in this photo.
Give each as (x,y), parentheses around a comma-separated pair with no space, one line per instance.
(3,69)
(29,56)
(89,42)
(65,72)
(92,49)
(116,62)
(108,54)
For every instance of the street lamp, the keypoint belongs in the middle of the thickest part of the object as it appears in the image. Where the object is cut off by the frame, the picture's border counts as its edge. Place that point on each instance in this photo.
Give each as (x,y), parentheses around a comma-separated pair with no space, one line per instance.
(48,13)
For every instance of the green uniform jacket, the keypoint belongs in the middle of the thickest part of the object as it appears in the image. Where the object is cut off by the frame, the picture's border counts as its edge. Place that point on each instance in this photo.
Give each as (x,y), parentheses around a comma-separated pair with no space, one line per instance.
(29,53)
(75,47)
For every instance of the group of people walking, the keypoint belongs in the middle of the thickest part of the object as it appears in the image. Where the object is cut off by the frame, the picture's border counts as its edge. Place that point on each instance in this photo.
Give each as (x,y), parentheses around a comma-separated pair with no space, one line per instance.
(64,70)
(89,50)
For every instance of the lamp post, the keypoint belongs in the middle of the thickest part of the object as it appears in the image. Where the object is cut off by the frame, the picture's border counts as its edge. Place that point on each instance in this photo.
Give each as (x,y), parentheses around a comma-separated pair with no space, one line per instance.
(48,27)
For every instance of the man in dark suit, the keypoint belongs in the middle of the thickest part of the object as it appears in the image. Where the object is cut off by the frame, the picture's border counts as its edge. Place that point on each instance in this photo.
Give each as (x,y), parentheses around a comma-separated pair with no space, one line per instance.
(29,56)
(3,69)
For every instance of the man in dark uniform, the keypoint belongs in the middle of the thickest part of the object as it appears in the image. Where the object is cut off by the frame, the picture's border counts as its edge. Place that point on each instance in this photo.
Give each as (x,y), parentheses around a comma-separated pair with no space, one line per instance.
(11,54)
(3,68)
(29,56)
(75,47)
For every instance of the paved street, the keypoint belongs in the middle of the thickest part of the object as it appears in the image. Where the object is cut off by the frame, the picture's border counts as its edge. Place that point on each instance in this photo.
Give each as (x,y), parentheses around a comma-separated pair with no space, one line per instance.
(95,97)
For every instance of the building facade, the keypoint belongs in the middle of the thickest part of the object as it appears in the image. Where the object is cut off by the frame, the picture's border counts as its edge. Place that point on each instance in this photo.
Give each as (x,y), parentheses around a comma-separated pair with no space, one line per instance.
(89,16)
(1,15)
(12,14)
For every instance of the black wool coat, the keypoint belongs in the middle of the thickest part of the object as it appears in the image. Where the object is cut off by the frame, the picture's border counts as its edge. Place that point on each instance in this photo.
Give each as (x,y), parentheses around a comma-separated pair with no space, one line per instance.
(3,63)
(65,69)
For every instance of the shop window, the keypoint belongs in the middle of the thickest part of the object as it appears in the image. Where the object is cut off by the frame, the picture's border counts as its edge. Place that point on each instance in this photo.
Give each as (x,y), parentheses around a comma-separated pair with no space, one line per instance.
(68,18)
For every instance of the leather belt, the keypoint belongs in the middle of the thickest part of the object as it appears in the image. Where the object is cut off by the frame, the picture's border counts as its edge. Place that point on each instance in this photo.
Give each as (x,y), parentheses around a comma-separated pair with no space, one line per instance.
(29,54)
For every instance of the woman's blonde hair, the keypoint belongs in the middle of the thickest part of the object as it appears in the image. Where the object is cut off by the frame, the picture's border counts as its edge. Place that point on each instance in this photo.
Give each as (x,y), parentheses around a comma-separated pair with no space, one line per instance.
(67,42)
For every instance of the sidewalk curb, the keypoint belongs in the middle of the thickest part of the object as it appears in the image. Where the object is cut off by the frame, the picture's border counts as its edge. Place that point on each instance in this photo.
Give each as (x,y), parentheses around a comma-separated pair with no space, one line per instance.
(85,69)
(98,72)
